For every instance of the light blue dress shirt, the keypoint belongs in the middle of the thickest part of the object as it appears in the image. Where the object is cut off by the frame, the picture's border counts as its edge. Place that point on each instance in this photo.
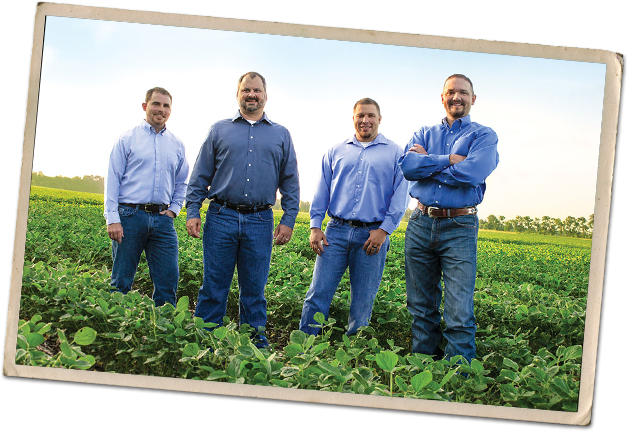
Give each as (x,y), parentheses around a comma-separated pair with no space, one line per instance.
(436,182)
(364,184)
(244,164)
(146,168)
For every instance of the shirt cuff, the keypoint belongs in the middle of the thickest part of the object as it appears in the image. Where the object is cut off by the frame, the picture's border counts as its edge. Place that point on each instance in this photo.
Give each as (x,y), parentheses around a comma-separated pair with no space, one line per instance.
(193,210)
(443,162)
(287,220)
(388,226)
(317,222)
(175,208)
(112,217)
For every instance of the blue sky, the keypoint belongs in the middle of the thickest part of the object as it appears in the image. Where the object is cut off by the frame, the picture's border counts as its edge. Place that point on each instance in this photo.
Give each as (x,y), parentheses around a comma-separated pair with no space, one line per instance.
(547,113)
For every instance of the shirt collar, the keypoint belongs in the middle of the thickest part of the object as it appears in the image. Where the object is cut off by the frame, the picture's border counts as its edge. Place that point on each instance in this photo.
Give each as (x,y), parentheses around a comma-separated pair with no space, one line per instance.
(150,129)
(239,115)
(379,139)
(462,122)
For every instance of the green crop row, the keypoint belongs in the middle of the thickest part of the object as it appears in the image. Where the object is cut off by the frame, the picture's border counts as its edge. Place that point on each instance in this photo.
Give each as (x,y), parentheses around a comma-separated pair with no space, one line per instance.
(530,306)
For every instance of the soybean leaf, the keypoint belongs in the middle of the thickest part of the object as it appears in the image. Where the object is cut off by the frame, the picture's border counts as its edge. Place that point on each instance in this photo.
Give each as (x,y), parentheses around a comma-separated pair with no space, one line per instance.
(387,360)
(85,336)
(510,364)
(182,304)
(573,352)
(421,380)
(34,339)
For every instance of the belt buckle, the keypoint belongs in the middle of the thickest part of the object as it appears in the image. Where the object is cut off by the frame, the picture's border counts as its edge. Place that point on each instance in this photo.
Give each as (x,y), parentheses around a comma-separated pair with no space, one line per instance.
(429,211)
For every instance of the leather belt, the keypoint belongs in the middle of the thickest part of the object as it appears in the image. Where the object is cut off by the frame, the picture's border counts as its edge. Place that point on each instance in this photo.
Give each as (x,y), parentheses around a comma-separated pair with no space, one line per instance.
(149,208)
(356,223)
(242,209)
(435,212)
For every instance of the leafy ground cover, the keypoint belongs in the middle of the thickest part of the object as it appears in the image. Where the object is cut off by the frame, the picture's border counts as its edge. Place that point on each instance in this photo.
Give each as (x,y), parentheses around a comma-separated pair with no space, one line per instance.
(530,307)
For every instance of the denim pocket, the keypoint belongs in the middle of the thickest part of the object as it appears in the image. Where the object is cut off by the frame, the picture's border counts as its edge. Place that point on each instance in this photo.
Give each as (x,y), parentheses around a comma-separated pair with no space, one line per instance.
(125,211)
(214,208)
(469,221)
(266,215)
(416,214)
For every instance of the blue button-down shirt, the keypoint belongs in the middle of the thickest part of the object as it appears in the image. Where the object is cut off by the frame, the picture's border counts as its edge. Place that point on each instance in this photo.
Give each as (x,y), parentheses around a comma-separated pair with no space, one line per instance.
(436,182)
(364,184)
(146,168)
(245,164)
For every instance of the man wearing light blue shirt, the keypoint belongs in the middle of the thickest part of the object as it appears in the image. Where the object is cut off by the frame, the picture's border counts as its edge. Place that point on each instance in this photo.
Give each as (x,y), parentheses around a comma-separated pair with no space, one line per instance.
(241,165)
(145,188)
(363,190)
(447,165)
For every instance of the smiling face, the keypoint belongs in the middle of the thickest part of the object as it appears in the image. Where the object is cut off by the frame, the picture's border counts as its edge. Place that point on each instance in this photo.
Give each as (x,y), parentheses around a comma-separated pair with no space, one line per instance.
(457,98)
(366,121)
(252,97)
(157,110)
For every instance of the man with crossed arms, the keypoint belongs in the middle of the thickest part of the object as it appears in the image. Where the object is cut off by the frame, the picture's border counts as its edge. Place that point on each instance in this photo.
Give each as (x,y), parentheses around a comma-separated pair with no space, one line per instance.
(362,189)
(447,165)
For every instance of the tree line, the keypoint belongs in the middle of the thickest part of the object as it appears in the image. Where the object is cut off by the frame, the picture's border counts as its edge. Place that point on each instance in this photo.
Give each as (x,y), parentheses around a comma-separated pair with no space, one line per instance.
(579,227)
(88,183)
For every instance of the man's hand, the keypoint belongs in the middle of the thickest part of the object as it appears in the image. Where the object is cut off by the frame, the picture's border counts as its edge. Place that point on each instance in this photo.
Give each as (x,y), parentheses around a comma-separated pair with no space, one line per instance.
(317,240)
(455,158)
(375,241)
(193,227)
(282,234)
(114,230)
(169,213)
(416,148)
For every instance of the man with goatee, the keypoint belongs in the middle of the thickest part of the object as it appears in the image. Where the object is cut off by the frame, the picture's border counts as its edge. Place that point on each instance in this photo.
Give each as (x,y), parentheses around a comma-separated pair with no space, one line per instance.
(447,166)
(241,165)
(362,189)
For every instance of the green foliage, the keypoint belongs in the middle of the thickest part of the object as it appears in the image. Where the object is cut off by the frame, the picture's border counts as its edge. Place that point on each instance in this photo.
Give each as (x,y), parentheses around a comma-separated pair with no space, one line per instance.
(530,307)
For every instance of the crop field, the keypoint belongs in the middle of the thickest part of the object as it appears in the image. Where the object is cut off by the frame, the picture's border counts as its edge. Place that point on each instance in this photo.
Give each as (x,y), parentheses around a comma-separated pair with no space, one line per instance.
(530,306)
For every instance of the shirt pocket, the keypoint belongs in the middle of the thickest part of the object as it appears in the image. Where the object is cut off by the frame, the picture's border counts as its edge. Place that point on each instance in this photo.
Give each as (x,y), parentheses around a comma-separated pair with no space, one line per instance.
(172,163)
(378,173)
(271,153)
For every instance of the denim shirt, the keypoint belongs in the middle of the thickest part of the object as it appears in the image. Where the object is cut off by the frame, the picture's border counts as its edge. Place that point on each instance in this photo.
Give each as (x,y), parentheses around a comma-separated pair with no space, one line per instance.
(245,164)
(146,167)
(364,184)
(436,182)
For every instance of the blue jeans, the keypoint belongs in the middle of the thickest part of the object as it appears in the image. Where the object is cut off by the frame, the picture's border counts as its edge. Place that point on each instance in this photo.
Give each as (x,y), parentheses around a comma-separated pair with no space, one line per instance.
(365,274)
(446,246)
(233,239)
(153,234)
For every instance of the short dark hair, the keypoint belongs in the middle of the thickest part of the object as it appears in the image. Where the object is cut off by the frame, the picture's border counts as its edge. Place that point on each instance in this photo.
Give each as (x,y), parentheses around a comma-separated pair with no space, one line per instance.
(461,76)
(253,75)
(367,101)
(159,90)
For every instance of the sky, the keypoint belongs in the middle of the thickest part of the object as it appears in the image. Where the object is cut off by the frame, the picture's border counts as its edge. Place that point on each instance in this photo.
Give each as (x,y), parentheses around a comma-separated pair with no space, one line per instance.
(546,113)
